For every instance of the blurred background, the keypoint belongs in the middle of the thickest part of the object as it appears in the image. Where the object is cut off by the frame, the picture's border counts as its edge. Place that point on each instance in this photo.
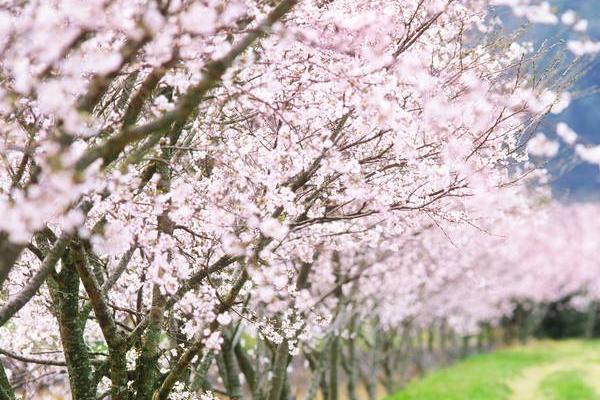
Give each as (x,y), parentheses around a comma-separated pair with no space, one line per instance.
(575,181)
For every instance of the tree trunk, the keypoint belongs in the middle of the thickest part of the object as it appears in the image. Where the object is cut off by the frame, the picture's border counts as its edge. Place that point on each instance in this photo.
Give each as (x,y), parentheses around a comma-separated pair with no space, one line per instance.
(333,368)
(444,342)
(147,370)
(246,367)
(372,373)
(465,346)
(199,382)
(279,370)
(6,391)
(430,338)
(229,369)
(352,373)
(65,295)
(591,320)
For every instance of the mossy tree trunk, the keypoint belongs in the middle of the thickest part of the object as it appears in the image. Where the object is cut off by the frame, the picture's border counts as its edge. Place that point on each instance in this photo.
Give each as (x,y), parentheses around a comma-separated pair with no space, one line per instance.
(6,391)
(64,290)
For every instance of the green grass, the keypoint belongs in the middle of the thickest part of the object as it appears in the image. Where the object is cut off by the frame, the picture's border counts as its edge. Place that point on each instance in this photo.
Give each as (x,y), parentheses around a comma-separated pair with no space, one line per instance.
(489,376)
(479,377)
(567,385)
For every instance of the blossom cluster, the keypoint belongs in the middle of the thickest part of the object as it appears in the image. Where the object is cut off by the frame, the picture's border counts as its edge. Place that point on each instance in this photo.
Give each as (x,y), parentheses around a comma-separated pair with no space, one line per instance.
(181,177)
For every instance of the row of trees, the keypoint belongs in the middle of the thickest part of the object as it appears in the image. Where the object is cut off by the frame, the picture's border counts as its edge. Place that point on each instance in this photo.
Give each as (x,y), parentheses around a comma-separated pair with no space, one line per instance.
(204,197)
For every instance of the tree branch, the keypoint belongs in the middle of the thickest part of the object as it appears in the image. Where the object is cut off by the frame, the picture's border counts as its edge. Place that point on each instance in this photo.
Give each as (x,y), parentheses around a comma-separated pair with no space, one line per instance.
(34,284)
(214,71)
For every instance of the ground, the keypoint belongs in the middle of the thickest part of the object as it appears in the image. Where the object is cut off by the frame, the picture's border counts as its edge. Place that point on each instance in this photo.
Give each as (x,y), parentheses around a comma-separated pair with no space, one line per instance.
(566,370)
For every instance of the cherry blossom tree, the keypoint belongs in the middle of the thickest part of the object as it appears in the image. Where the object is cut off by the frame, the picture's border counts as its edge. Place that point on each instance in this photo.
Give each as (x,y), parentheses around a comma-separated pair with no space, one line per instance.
(196,195)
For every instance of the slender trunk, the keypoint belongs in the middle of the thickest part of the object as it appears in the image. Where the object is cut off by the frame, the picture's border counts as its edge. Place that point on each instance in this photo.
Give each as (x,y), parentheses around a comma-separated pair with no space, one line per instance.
(591,320)
(430,338)
(317,366)
(400,360)
(419,352)
(444,342)
(387,378)
(409,351)
(372,373)
(480,338)
(234,388)
(324,360)
(197,346)
(112,336)
(279,370)
(246,367)
(222,369)
(17,302)
(507,334)
(324,384)
(199,381)
(465,346)
(352,374)
(333,368)
(456,347)
(491,336)
(228,368)
(10,253)
(65,295)
(6,391)
(148,372)
(525,324)
(285,393)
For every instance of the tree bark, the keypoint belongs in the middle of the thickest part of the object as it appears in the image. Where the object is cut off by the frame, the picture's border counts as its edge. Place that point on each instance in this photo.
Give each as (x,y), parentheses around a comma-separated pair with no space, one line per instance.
(591,320)
(333,368)
(6,391)
(148,372)
(9,254)
(36,281)
(279,370)
(65,295)
(246,367)
(230,365)
(116,343)
(352,373)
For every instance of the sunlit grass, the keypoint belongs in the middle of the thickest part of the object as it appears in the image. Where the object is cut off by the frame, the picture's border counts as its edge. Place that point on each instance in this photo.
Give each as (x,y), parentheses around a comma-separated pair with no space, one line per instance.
(488,376)
(567,385)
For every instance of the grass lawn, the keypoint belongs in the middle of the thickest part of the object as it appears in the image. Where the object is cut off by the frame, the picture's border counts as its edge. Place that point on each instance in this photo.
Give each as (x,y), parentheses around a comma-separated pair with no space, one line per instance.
(567,370)
(567,385)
